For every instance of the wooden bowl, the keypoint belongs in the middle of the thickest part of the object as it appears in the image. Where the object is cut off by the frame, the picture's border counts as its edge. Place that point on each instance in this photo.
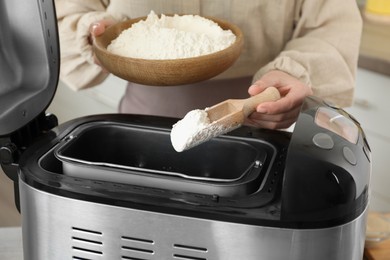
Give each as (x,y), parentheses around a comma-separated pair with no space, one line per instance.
(166,72)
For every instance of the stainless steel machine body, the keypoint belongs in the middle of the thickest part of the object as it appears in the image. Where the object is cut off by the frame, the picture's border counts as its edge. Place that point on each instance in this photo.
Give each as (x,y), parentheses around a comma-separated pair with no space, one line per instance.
(57,227)
(80,213)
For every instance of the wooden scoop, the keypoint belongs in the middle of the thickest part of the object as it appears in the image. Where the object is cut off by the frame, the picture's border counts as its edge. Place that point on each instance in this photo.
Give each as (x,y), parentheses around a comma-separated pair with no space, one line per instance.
(232,112)
(227,116)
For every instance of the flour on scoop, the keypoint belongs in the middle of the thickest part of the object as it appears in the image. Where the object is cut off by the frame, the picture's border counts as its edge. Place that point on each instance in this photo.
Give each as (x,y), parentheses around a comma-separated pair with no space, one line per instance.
(194,129)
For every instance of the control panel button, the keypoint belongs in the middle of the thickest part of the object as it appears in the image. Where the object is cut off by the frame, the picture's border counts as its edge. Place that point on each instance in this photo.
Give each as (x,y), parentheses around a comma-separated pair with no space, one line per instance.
(323,141)
(349,155)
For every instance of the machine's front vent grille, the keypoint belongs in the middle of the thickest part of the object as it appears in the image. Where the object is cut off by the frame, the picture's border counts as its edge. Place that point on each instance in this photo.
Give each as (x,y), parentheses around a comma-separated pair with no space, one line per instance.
(87,244)
(135,248)
(187,252)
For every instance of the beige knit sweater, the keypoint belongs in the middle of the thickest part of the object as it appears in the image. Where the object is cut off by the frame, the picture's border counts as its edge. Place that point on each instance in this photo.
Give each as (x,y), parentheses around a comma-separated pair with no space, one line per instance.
(317,41)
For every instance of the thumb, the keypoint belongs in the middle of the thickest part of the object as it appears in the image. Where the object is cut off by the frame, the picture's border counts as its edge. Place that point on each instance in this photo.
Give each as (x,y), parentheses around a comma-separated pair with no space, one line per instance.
(257,87)
(98,28)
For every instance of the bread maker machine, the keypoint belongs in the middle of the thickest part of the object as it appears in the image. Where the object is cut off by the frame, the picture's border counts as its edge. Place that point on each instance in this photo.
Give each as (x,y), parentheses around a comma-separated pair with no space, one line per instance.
(112,187)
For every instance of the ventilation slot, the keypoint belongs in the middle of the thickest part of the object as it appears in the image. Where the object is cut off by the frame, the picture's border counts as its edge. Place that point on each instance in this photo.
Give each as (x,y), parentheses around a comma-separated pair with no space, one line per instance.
(185,252)
(134,248)
(87,244)
(185,257)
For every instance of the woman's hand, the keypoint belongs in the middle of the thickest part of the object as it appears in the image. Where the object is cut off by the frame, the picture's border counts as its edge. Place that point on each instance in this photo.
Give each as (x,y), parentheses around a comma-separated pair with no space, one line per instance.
(96,29)
(99,27)
(284,112)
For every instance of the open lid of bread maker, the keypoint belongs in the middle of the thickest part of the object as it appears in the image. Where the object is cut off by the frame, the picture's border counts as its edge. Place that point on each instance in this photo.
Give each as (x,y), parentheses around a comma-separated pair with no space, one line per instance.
(29,61)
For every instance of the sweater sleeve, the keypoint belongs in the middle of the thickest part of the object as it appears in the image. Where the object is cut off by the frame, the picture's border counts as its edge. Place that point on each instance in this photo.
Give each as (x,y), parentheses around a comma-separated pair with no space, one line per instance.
(78,69)
(324,48)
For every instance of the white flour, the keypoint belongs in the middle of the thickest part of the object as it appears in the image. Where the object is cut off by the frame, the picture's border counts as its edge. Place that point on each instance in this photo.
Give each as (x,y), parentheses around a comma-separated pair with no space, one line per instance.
(171,37)
(194,129)
(185,131)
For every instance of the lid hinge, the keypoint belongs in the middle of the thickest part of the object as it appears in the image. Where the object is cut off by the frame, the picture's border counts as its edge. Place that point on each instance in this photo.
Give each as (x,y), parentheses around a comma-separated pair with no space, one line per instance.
(13,146)
(8,155)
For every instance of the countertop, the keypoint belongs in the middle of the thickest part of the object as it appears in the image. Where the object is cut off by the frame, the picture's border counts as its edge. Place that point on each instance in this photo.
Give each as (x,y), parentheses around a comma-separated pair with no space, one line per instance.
(378,222)
(380,252)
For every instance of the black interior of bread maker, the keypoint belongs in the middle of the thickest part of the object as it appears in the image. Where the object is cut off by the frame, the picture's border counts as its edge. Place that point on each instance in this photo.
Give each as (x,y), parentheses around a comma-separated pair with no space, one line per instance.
(151,150)
(105,151)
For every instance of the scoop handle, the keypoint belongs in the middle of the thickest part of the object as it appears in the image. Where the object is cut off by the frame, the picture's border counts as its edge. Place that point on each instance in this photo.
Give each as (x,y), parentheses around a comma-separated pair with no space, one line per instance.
(250,104)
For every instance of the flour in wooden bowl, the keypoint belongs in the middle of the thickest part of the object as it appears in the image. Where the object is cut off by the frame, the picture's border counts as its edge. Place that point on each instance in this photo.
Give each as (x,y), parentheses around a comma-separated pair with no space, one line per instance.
(171,37)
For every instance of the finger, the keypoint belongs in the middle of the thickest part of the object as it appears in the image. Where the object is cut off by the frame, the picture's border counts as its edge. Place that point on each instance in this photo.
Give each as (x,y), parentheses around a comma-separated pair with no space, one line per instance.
(277,121)
(273,121)
(99,27)
(280,106)
(258,87)
(293,99)
(270,124)
(288,115)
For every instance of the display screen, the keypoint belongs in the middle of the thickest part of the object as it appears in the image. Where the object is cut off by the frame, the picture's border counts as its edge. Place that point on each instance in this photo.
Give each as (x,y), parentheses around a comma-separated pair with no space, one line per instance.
(337,123)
